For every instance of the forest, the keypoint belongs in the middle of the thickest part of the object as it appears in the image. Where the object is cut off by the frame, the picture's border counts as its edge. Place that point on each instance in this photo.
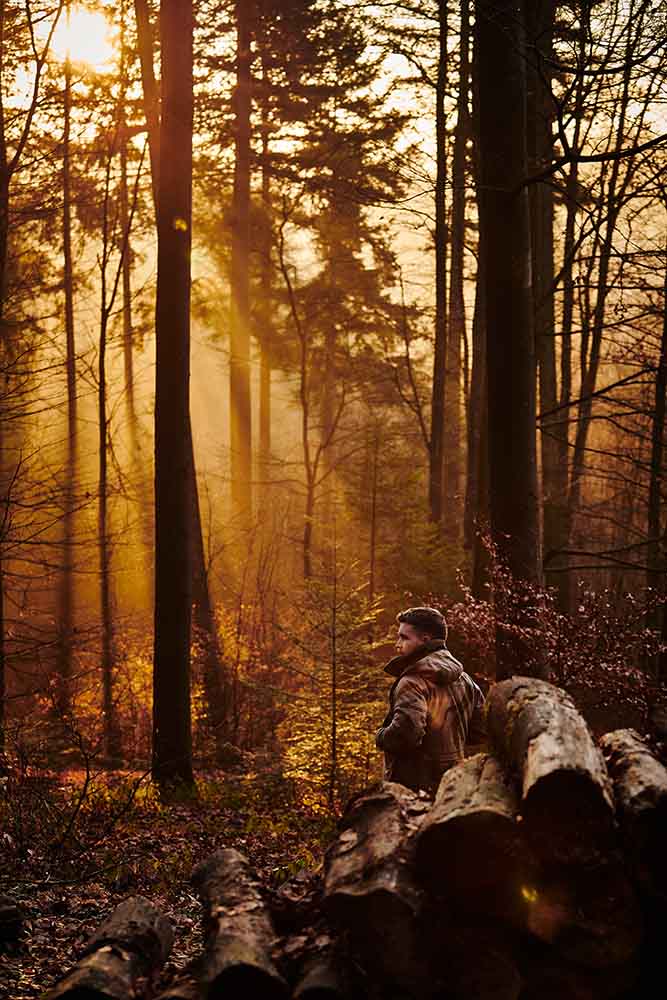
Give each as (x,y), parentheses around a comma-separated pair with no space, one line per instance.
(310,311)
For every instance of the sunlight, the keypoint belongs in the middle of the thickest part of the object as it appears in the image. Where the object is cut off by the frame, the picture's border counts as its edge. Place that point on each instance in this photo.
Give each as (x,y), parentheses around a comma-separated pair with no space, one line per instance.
(86,38)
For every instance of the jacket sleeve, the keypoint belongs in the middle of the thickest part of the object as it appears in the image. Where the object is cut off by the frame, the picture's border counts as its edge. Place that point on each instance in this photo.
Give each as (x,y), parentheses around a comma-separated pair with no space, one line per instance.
(477,728)
(404,728)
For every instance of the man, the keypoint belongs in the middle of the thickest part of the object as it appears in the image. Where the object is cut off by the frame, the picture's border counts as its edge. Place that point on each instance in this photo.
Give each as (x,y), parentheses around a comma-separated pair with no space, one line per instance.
(434,706)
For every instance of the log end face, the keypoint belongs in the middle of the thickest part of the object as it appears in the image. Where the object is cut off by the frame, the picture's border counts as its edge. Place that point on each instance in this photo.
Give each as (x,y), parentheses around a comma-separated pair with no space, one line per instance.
(568,819)
(481,861)
(239,980)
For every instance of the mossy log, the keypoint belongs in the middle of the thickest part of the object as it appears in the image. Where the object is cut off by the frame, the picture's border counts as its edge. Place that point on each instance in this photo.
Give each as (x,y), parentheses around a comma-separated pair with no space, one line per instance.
(566,804)
(238,932)
(369,886)
(640,790)
(470,847)
(133,942)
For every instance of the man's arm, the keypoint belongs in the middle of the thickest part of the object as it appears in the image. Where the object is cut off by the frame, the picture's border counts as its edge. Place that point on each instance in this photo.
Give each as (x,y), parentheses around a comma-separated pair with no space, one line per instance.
(477,733)
(407,723)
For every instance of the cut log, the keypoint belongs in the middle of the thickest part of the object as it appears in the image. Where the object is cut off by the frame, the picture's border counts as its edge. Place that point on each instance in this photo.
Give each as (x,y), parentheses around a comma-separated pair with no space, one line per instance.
(11,920)
(133,942)
(640,789)
(369,887)
(238,931)
(566,801)
(548,976)
(469,958)
(589,916)
(470,848)
(185,987)
(322,980)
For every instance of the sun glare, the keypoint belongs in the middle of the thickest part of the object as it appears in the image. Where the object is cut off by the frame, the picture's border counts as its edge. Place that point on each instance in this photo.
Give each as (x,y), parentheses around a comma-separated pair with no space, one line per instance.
(86,38)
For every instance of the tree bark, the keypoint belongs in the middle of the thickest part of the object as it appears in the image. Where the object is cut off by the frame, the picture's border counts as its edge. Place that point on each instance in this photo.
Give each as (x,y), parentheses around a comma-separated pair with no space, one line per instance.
(111,730)
(456,331)
(322,979)
(437,442)
(133,942)
(555,561)
(112,743)
(238,931)
(66,587)
(540,112)
(239,353)
(150,92)
(172,740)
(566,801)
(505,223)
(266,294)
(369,888)
(216,681)
(655,554)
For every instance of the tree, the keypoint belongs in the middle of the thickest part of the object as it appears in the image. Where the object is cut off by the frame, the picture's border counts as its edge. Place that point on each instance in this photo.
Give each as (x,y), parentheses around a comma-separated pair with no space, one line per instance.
(239,350)
(172,740)
(505,226)
(437,435)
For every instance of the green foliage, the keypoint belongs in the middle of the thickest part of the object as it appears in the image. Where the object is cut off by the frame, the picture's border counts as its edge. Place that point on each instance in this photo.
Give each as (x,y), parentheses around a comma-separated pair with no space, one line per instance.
(327,734)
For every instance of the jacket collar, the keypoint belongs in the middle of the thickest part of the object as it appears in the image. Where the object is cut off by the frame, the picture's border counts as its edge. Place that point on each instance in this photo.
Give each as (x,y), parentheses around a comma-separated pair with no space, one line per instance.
(399,664)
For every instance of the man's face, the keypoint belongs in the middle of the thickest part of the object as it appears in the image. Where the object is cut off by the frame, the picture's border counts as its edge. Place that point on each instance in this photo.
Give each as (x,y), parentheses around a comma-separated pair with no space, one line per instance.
(409,639)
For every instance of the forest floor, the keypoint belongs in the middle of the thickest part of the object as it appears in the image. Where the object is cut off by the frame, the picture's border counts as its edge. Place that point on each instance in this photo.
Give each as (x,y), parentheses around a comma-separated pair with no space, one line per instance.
(68,858)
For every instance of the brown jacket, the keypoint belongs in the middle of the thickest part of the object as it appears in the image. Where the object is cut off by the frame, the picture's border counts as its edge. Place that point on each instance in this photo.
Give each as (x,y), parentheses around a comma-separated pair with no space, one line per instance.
(434,709)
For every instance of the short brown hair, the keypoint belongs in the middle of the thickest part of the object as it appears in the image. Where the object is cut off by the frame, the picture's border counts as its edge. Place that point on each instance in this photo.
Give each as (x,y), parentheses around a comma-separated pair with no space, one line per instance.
(428,620)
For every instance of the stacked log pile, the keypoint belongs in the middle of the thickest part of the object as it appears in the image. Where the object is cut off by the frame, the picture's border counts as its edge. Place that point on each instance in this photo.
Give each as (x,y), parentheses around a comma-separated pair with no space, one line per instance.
(538,872)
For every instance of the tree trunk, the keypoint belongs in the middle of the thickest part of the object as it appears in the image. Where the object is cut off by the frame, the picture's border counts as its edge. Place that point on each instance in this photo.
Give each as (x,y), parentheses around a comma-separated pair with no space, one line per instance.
(132,943)
(476,515)
(540,111)
(655,555)
(308,527)
(112,742)
(216,682)
(504,220)
(456,332)
(327,418)
(266,335)
(128,359)
(172,741)
(555,559)
(150,93)
(4,237)
(66,587)
(239,354)
(238,931)
(609,206)
(373,541)
(437,443)
(202,605)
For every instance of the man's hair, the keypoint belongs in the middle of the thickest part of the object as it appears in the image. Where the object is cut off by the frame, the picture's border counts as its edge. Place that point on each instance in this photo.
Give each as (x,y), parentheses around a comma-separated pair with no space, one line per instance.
(428,620)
